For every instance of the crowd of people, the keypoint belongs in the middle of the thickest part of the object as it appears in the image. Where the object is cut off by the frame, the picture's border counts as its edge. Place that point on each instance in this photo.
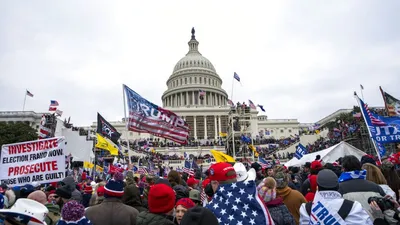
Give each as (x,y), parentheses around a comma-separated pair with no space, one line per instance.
(348,191)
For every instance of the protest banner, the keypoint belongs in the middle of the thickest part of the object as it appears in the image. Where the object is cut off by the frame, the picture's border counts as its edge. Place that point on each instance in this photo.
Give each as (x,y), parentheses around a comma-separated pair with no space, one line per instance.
(41,161)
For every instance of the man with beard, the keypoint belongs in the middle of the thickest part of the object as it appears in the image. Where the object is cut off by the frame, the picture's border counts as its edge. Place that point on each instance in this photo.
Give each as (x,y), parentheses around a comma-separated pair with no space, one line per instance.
(63,195)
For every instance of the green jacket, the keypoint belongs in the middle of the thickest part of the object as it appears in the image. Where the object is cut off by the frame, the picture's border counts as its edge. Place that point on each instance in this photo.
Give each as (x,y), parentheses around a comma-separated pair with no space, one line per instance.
(54,214)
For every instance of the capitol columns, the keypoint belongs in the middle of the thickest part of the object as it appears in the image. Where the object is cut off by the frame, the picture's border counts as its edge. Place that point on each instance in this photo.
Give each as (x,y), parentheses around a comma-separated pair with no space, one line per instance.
(187,98)
(219,123)
(215,128)
(195,127)
(205,127)
(193,102)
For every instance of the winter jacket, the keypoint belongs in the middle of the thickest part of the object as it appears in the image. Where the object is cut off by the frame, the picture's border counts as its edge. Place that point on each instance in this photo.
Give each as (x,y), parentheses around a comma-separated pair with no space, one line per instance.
(54,214)
(132,197)
(147,218)
(360,190)
(293,200)
(112,212)
(279,212)
(357,214)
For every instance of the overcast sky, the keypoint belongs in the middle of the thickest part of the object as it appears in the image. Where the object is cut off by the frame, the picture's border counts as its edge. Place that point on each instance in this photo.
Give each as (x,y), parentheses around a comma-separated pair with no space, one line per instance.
(298,60)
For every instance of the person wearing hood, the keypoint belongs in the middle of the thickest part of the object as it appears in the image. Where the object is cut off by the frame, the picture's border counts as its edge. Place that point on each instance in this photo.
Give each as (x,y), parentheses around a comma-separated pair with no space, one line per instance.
(70,184)
(329,206)
(292,198)
(177,184)
(132,194)
(278,210)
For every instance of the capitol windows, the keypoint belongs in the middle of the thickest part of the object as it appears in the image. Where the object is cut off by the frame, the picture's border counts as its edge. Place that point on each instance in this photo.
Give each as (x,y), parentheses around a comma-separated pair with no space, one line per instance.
(200,80)
(185,80)
(195,80)
(290,131)
(209,81)
(190,80)
(281,131)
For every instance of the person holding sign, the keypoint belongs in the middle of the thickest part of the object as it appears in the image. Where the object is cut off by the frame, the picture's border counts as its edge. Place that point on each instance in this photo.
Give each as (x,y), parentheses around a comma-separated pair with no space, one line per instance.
(329,207)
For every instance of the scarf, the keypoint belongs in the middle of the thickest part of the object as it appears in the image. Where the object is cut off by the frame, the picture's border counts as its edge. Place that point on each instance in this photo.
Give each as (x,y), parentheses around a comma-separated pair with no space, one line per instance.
(353,175)
(322,201)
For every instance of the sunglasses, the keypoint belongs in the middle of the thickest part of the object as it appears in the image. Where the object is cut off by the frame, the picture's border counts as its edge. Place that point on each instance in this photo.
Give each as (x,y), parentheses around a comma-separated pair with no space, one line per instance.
(56,196)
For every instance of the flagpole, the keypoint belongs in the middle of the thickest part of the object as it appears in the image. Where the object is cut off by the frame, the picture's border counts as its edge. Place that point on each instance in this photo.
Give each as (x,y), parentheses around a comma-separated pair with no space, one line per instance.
(233,82)
(366,123)
(362,94)
(126,124)
(23,107)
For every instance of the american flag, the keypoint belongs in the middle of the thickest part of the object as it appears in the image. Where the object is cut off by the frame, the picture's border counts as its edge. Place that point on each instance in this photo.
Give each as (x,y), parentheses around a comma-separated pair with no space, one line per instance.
(238,203)
(264,164)
(29,93)
(375,121)
(236,76)
(230,102)
(203,196)
(202,92)
(146,117)
(53,103)
(187,168)
(251,104)
(143,170)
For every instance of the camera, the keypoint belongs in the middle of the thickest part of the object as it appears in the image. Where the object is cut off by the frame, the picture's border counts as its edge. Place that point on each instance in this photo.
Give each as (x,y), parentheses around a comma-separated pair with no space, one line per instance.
(383,203)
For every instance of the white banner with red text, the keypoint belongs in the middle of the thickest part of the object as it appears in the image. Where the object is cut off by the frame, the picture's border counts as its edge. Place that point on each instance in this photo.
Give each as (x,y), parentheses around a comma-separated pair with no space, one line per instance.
(41,161)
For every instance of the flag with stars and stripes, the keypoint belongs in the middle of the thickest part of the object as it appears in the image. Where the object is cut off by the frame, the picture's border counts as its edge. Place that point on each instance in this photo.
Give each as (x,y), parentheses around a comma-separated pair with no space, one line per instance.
(264,164)
(239,204)
(251,104)
(188,169)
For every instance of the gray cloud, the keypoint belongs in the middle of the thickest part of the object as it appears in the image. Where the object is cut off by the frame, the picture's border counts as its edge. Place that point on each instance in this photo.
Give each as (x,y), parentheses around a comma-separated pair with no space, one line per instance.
(298,60)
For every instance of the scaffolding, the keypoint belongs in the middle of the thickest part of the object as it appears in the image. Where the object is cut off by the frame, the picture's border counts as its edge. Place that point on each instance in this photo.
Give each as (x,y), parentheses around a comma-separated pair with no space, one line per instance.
(240,119)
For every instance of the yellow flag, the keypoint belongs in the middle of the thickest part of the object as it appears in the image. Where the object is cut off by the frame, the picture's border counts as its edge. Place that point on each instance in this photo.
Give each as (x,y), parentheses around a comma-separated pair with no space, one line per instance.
(221,157)
(222,134)
(103,143)
(254,150)
(88,165)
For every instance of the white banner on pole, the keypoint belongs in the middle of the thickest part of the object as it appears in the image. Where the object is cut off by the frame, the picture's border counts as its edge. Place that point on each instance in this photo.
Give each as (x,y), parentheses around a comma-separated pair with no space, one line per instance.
(41,161)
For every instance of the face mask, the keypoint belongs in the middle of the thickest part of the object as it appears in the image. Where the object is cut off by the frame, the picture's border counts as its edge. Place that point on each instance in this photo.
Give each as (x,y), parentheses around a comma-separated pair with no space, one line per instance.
(208,190)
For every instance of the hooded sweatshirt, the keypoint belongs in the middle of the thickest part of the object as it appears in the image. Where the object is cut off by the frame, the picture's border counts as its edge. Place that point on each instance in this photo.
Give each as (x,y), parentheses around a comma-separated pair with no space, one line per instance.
(71,186)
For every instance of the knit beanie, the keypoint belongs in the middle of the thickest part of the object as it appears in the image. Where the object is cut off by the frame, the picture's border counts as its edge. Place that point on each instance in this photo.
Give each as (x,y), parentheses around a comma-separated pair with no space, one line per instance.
(115,187)
(73,213)
(281,180)
(267,189)
(187,203)
(64,192)
(161,199)
(199,216)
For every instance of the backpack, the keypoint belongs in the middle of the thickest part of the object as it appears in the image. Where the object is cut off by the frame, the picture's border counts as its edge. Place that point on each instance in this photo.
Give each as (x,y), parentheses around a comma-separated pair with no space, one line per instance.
(343,211)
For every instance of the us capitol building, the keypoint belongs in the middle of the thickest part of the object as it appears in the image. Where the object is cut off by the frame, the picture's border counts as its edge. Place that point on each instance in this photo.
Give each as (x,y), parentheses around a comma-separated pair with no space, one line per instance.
(194,92)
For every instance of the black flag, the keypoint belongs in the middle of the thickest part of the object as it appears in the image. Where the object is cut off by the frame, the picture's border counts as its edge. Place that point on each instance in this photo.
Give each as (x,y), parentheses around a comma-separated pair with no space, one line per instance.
(107,130)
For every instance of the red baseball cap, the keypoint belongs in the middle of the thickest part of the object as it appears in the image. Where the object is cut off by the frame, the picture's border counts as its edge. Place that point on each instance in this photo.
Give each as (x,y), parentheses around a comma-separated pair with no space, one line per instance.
(191,181)
(222,171)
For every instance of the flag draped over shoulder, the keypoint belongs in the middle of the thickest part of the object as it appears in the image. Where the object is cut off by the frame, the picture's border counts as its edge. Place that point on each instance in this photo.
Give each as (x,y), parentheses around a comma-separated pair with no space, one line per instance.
(238,203)
(103,143)
(106,129)
(146,117)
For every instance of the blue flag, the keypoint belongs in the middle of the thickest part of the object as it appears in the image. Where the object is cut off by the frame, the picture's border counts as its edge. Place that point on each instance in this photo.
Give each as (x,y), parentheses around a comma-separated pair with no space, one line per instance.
(236,76)
(300,151)
(383,129)
(238,203)
(261,107)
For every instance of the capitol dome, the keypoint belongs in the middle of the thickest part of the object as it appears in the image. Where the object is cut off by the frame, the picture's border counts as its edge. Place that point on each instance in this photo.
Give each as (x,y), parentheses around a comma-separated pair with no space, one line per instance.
(194,81)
